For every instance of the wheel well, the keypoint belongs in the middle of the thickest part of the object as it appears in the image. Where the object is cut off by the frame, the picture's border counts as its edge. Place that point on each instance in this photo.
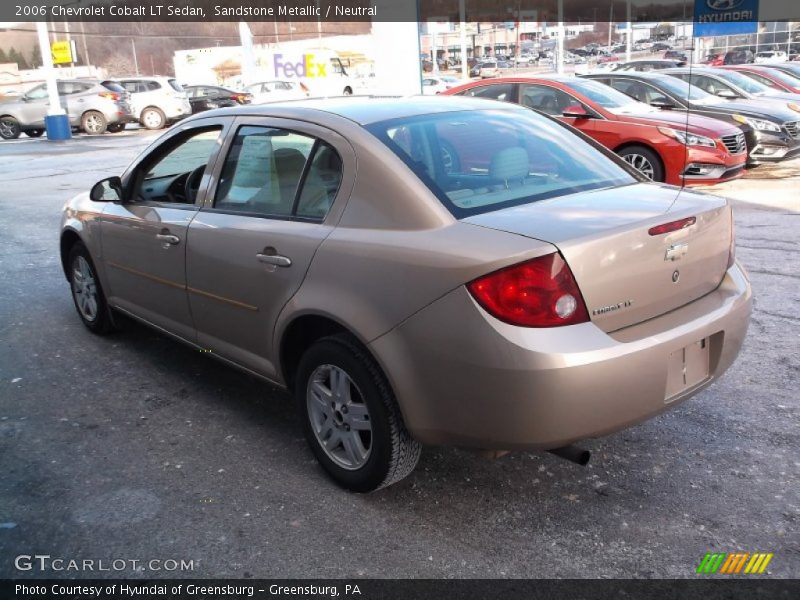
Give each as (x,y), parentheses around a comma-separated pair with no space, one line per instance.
(68,240)
(299,336)
(150,107)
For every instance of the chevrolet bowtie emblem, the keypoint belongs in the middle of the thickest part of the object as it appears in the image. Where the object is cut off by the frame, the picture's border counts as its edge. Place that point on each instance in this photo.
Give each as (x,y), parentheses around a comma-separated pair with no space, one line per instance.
(676,252)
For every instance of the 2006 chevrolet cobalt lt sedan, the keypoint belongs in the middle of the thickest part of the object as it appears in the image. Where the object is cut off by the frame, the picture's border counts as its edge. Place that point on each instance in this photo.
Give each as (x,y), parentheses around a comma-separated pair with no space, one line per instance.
(418,271)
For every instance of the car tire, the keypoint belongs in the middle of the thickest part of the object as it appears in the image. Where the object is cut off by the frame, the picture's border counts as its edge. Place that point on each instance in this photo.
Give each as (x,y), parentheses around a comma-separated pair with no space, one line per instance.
(9,128)
(34,133)
(644,160)
(348,91)
(94,122)
(116,127)
(351,418)
(87,293)
(153,118)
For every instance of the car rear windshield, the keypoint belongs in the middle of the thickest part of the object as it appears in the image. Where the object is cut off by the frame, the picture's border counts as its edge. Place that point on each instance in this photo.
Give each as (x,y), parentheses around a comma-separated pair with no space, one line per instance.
(483,160)
(175,85)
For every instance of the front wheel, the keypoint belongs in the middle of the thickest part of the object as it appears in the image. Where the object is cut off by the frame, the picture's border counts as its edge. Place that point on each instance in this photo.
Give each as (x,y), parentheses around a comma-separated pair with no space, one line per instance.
(9,128)
(643,160)
(87,292)
(350,416)
(94,123)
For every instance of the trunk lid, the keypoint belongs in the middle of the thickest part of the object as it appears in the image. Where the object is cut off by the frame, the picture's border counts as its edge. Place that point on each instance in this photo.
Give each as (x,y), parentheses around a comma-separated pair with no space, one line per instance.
(627,275)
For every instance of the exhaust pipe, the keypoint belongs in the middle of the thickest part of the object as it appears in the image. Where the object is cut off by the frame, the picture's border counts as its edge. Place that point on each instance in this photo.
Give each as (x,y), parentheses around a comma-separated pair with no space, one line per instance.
(573,454)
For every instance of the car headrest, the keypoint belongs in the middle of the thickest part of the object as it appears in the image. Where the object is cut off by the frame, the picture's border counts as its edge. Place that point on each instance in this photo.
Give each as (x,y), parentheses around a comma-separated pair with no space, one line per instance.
(509,164)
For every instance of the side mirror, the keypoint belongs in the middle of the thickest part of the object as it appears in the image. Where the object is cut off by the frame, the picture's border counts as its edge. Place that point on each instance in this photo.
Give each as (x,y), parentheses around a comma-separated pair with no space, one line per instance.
(727,94)
(662,103)
(575,111)
(107,190)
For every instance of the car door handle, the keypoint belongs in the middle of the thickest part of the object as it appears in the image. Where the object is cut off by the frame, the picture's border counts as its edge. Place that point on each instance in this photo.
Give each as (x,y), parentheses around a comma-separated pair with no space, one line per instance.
(168,238)
(269,257)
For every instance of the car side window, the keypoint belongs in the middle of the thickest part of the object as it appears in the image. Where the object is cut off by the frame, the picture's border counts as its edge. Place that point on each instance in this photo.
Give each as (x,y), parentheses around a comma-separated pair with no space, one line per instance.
(707,84)
(172,175)
(277,173)
(546,99)
(498,91)
(40,91)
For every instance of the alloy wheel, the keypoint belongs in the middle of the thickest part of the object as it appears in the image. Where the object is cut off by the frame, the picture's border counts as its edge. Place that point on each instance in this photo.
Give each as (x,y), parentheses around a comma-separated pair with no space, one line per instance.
(93,124)
(9,129)
(641,164)
(339,417)
(84,288)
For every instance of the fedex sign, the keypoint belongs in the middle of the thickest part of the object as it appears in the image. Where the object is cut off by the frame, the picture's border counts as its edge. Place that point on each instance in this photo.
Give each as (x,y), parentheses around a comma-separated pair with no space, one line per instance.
(306,67)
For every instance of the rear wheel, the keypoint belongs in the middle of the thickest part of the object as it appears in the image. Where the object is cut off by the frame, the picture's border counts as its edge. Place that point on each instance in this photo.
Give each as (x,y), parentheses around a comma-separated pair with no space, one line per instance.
(34,133)
(351,418)
(94,122)
(87,292)
(9,128)
(643,160)
(153,118)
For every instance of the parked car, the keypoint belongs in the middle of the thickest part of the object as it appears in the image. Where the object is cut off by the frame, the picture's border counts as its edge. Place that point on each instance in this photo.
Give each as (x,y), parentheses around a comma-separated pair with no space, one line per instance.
(790,68)
(437,85)
(91,107)
(647,65)
(529,267)
(663,146)
(770,128)
(660,47)
(156,101)
(772,56)
(769,76)
(676,55)
(715,59)
(607,58)
(733,85)
(738,57)
(207,97)
(277,91)
(488,68)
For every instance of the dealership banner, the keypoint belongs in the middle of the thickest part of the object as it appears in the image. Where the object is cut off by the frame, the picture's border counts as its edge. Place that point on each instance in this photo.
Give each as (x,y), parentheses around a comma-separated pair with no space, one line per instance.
(400,589)
(725,17)
(706,12)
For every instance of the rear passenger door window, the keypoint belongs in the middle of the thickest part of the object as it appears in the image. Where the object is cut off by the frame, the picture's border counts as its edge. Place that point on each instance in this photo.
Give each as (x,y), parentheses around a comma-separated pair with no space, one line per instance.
(505,92)
(277,173)
(546,99)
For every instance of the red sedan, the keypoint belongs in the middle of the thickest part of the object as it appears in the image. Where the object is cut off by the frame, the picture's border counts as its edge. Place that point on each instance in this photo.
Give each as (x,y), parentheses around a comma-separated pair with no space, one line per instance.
(669,147)
(772,78)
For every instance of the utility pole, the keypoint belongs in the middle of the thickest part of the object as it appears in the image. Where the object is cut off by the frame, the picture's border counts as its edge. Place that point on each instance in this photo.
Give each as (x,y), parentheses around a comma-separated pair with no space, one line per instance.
(135,60)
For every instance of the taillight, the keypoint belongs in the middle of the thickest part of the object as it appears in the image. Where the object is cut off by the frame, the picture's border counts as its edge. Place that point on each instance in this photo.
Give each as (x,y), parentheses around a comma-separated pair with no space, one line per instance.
(672,226)
(536,293)
(242,98)
(110,95)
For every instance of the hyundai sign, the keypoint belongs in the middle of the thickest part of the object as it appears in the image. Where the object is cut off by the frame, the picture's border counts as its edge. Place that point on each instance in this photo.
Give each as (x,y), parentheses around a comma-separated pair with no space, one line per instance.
(725,17)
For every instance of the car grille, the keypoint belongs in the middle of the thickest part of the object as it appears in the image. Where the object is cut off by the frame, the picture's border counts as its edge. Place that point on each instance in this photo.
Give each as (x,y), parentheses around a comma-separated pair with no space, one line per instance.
(735,143)
(792,128)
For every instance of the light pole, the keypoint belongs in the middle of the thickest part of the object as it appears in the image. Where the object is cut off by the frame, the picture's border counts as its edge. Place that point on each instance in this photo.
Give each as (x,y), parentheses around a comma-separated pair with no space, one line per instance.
(56,122)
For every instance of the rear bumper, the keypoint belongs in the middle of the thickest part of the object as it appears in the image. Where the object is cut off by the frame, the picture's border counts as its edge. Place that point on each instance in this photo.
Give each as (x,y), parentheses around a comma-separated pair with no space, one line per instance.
(464,378)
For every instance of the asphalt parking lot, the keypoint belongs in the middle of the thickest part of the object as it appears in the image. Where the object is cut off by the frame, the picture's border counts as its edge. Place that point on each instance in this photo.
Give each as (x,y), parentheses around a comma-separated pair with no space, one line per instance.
(134,447)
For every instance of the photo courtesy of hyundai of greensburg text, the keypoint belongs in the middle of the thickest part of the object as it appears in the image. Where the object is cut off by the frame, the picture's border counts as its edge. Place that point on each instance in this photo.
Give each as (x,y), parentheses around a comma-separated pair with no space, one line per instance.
(399,299)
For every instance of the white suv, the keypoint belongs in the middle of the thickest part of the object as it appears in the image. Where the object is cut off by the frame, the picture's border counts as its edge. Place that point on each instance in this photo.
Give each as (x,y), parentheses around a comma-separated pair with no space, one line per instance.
(156,101)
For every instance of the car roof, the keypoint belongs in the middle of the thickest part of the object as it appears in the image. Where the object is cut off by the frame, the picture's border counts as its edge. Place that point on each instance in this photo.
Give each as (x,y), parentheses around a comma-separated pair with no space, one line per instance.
(366,110)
